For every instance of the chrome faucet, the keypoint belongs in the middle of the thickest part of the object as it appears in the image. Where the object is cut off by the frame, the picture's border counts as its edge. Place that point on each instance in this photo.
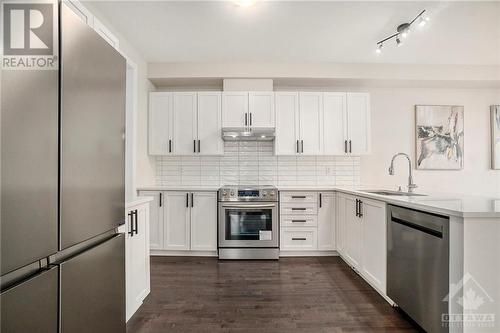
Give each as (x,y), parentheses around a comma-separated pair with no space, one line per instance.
(411,185)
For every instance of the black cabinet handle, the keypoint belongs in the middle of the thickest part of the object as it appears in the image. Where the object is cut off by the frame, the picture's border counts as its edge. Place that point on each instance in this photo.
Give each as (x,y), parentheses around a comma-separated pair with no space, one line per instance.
(350,146)
(360,214)
(187,199)
(298,196)
(131,229)
(299,221)
(320,201)
(357,209)
(192,200)
(169,146)
(250,118)
(161,199)
(199,146)
(297,146)
(302,146)
(345,146)
(194,146)
(246,119)
(299,238)
(136,223)
(299,208)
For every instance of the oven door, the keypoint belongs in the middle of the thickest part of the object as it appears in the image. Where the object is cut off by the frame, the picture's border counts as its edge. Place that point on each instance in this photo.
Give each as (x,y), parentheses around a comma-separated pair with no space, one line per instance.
(248,224)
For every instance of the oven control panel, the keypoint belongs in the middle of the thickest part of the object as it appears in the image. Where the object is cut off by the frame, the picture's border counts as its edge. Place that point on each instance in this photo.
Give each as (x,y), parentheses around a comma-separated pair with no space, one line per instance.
(248,194)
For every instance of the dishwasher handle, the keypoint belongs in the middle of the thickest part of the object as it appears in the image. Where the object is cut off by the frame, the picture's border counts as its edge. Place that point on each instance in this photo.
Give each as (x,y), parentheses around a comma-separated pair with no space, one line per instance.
(430,229)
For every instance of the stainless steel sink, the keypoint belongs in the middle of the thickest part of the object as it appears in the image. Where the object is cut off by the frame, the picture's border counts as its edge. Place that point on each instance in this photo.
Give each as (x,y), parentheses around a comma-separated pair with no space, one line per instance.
(394,193)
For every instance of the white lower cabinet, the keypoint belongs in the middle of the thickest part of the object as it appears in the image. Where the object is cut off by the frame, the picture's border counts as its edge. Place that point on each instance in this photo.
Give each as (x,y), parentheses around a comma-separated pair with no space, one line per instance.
(183,221)
(307,221)
(137,274)
(362,238)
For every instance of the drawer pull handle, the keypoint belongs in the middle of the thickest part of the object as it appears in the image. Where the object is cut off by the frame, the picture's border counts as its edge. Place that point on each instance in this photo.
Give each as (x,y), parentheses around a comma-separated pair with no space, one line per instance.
(299,238)
(298,196)
(299,208)
(299,221)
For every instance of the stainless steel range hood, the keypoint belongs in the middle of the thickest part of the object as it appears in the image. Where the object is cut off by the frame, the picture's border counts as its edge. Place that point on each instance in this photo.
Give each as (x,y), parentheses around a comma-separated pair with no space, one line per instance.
(246,134)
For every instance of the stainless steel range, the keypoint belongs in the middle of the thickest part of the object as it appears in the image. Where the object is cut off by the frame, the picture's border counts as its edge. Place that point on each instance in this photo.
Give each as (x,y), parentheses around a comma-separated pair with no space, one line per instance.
(248,222)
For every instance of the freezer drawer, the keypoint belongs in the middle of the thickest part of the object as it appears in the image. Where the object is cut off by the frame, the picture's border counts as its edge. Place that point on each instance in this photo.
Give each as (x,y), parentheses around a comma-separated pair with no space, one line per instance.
(29,167)
(93,289)
(31,306)
(92,132)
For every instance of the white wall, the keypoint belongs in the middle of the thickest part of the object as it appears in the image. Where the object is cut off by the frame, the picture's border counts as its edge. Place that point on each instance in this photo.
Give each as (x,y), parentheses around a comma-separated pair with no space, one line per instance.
(393,130)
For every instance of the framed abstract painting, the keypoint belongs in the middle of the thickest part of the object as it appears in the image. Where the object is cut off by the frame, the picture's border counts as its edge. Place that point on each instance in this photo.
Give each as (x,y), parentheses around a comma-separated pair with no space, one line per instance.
(439,137)
(495,137)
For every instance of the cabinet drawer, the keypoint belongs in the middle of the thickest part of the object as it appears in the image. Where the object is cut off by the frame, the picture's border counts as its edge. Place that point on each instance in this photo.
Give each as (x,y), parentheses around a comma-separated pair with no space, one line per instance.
(299,209)
(299,220)
(298,239)
(300,197)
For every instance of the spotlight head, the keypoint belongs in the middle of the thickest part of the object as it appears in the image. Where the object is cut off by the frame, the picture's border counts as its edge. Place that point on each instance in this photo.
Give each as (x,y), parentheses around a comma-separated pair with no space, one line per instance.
(398,41)
(379,48)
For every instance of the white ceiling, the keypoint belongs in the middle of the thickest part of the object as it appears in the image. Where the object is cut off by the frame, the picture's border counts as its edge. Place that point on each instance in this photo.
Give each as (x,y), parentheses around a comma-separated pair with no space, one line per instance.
(306,31)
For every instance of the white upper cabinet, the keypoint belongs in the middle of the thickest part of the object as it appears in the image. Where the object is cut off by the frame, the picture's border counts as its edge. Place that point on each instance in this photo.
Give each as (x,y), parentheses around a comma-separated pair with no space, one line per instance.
(287,121)
(184,123)
(334,120)
(160,120)
(209,140)
(358,123)
(261,109)
(235,109)
(310,123)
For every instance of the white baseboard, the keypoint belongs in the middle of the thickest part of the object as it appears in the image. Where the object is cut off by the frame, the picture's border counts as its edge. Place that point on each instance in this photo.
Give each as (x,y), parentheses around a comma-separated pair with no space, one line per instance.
(308,253)
(169,253)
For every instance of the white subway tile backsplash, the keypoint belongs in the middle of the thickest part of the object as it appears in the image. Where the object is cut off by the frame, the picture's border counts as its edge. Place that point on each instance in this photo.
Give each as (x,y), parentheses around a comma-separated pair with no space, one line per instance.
(254,163)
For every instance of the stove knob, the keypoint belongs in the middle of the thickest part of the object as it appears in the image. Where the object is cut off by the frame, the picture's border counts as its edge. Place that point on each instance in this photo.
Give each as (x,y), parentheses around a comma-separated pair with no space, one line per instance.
(224,193)
(232,193)
(272,193)
(264,193)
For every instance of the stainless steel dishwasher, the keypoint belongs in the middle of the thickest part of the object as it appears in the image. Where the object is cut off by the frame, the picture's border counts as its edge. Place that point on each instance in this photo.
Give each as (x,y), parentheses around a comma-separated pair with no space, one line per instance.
(418,265)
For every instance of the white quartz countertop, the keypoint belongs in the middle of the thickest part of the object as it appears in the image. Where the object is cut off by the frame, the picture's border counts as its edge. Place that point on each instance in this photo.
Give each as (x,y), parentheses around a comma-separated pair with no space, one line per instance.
(466,206)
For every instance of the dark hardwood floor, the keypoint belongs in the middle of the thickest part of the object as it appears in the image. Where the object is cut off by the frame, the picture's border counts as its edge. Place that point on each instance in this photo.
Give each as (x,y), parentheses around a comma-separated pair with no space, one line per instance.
(319,294)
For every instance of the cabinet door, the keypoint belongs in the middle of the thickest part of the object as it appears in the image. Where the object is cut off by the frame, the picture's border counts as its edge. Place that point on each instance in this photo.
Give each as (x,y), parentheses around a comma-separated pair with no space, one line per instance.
(374,243)
(353,233)
(155,218)
(177,226)
(261,109)
(235,109)
(310,120)
(160,120)
(137,260)
(334,123)
(340,223)
(326,221)
(358,122)
(287,123)
(184,123)
(204,221)
(209,123)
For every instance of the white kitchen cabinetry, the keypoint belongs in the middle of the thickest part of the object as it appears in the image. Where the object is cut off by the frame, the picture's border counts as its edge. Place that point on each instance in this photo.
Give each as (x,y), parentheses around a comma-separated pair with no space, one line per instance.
(326,221)
(184,222)
(307,222)
(185,123)
(346,123)
(203,221)
(248,109)
(261,109)
(137,274)
(177,226)
(358,123)
(160,123)
(362,237)
(209,118)
(299,123)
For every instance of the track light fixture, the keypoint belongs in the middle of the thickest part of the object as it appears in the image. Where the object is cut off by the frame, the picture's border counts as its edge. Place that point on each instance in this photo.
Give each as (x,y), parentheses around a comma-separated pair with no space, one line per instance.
(402,31)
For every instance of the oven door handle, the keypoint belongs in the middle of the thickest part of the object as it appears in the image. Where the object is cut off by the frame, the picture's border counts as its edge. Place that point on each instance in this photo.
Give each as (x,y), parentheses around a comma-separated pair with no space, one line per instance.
(248,206)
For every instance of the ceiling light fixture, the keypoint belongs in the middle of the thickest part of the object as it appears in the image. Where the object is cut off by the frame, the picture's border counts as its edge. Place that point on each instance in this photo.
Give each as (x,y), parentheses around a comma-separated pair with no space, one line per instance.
(403,30)
(245,3)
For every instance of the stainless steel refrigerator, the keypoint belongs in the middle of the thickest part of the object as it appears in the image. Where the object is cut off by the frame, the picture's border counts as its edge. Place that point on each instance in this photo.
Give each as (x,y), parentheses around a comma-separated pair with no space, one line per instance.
(62,188)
